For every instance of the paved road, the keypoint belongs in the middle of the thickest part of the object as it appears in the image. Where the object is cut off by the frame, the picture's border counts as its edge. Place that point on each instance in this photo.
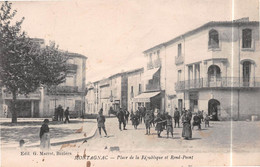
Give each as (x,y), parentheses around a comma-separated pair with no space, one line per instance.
(216,138)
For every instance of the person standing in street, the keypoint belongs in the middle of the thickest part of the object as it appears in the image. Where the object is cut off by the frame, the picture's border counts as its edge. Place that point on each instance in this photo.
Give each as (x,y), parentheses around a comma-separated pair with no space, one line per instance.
(196,121)
(45,136)
(169,127)
(101,122)
(121,118)
(176,117)
(61,113)
(67,113)
(126,115)
(186,130)
(159,124)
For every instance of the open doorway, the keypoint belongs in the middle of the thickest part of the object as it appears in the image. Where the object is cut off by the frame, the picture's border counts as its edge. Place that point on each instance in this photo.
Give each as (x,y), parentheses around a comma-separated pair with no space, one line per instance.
(213,109)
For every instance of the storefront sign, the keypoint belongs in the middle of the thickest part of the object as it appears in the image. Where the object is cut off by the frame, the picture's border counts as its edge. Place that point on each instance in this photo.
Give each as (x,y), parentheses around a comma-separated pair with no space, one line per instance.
(193,95)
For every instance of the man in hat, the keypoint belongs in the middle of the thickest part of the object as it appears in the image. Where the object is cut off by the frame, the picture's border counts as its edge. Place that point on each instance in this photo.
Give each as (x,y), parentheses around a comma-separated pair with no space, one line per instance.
(67,113)
(176,117)
(121,118)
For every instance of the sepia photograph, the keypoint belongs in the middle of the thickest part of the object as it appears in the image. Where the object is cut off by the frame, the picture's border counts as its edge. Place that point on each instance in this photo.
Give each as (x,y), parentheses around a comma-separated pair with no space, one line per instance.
(156,83)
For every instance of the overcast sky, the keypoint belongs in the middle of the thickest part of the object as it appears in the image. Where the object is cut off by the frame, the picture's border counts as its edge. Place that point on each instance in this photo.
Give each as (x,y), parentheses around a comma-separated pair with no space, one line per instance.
(114,33)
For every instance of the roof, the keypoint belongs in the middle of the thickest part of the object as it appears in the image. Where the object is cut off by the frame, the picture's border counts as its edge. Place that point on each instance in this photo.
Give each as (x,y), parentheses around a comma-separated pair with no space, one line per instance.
(203,27)
(76,55)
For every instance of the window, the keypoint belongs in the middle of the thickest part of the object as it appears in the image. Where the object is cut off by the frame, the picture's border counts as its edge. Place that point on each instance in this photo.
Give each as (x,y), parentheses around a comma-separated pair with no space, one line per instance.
(213,39)
(179,75)
(197,71)
(158,54)
(132,91)
(214,73)
(179,49)
(150,57)
(246,38)
(140,89)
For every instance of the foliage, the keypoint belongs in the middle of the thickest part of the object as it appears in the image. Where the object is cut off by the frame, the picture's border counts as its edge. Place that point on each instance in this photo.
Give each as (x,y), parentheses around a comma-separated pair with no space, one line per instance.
(24,64)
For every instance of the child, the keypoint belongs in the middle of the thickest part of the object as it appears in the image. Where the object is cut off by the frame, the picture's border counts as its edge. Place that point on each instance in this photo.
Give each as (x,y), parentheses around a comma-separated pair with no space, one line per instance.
(206,119)
(45,136)
(169,127)
(101,122)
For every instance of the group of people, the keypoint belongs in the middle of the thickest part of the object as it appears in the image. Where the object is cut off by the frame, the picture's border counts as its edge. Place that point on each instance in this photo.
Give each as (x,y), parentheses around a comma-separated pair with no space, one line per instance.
(60,113)
(162,121)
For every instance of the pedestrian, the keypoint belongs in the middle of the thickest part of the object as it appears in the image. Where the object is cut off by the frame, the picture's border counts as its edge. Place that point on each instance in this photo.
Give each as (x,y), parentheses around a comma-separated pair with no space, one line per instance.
(196,121)
(176,117)
(56,116)
(61,113)
(101,122)
(148,120)
(159,124)
(206,120)
(135,120)
(186,130)
(126,115)
(121,118)
(169,127)
(58,112)
(45,136)
(21,143)
(67,114)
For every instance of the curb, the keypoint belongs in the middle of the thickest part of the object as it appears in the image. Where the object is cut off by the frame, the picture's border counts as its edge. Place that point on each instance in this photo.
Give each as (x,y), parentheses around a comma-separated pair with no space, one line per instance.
(91,135)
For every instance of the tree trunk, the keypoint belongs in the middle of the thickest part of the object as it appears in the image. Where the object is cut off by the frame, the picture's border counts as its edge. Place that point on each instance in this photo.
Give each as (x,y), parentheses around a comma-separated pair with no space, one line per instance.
(13,108)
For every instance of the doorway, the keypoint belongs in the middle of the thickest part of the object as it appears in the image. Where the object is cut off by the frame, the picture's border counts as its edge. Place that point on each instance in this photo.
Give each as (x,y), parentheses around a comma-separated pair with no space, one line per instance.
(213,109)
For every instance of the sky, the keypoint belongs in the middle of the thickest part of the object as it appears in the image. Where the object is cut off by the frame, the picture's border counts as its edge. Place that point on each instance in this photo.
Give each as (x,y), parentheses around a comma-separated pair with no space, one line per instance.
(114,33)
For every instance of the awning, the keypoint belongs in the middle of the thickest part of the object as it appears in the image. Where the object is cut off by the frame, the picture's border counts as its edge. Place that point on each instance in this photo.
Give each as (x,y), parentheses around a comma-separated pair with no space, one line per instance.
(145,97)
(149,74)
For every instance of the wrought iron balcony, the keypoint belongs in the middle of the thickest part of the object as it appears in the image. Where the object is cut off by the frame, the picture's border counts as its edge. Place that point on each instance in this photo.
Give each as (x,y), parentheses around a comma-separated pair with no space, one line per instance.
(179,60)
(219,82)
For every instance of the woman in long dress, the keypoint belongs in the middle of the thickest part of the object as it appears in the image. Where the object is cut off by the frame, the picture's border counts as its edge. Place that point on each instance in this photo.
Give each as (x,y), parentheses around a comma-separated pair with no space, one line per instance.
(186,130)
(45,136)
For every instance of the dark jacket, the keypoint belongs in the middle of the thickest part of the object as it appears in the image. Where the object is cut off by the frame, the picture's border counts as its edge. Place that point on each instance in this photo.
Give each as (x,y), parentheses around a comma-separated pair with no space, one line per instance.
(121,115)
(66,113)
(44,129)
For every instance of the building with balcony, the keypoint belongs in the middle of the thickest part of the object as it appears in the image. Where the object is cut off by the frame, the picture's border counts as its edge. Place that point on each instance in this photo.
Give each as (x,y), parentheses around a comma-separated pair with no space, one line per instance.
(72,92)
(43,101)
(153,80)
(214,68)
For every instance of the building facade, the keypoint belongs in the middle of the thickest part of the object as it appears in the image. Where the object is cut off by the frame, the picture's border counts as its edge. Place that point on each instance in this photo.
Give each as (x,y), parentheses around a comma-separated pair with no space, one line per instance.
(214,68)
(106,93)
(43,101)
(135,88)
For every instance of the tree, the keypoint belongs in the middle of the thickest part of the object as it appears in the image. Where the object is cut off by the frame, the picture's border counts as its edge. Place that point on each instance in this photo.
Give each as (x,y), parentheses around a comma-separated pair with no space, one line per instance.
(24,64)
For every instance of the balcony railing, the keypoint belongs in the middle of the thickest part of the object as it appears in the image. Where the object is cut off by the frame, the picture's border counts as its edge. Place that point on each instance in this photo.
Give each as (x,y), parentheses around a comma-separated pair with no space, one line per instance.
(219,82)
(63,89)
(179,60)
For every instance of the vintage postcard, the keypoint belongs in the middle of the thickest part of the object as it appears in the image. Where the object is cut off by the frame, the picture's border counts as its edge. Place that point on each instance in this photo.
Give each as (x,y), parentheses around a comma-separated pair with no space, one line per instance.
(156,83)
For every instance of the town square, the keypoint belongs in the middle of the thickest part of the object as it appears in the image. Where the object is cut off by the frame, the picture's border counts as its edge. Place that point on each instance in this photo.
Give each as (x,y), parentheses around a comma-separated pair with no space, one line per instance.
(134,83)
